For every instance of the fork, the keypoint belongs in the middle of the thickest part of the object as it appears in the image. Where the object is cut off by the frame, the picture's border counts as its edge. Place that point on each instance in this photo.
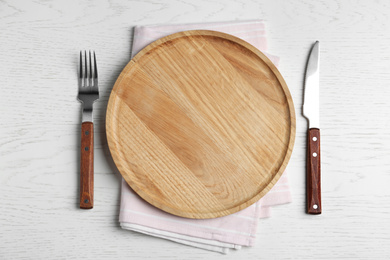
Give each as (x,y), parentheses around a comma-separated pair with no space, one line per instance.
(88,94)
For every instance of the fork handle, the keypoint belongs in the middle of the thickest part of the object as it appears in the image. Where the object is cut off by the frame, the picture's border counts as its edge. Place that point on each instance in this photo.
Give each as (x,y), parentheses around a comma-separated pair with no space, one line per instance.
(86,169)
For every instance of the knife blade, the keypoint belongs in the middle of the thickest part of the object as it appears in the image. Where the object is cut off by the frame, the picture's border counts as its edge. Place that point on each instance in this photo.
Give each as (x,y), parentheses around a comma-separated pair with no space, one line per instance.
(311,110)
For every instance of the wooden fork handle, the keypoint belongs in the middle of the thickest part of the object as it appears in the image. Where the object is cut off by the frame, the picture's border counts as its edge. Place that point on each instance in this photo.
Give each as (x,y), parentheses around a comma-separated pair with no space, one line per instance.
(86,169)
(313,177)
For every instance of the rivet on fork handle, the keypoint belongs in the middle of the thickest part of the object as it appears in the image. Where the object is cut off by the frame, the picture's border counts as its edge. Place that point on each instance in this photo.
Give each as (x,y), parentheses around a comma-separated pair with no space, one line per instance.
(86,169)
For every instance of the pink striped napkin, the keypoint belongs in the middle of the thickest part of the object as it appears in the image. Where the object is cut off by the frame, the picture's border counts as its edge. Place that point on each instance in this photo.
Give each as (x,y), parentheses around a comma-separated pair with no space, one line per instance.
(219,234)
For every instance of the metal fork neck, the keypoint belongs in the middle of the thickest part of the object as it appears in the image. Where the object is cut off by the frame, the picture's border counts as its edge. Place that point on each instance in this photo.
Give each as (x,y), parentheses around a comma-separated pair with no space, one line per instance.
(87,115)
(87,101)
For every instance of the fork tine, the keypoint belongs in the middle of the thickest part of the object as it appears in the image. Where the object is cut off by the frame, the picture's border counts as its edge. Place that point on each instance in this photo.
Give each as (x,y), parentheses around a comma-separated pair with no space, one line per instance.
(94,76)
(81,65)
(90,70)
(86,75)
(95,66)
(81,74)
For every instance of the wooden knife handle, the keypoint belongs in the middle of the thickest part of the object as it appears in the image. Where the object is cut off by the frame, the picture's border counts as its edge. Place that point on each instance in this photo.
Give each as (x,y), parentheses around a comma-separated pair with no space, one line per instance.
(313,177)
(86,169)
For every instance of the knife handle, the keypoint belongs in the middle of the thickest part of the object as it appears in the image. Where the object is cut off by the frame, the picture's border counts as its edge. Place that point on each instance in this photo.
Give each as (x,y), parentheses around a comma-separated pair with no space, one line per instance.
(313,177)
(86,169)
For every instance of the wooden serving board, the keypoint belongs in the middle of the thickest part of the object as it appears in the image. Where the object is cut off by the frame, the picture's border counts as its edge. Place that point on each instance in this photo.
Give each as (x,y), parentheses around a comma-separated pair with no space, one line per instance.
(200,124)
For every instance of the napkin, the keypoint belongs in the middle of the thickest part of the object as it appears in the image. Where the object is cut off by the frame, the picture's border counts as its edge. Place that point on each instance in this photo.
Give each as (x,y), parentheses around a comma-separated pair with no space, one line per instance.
(218,234)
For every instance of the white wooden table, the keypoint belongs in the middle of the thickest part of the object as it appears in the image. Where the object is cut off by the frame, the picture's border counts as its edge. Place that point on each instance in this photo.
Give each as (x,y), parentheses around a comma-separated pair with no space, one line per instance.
(40,122)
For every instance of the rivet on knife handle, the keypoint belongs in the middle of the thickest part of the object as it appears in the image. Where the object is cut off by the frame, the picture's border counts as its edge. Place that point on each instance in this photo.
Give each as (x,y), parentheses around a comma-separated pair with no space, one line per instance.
(86,169)
(313,177)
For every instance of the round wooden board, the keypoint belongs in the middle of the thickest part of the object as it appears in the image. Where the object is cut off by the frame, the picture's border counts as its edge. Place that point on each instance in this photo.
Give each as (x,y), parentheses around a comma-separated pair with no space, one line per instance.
(200,124)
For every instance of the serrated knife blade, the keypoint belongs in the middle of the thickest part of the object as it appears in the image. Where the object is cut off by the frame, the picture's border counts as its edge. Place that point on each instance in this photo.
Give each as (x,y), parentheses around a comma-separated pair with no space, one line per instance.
(311,110)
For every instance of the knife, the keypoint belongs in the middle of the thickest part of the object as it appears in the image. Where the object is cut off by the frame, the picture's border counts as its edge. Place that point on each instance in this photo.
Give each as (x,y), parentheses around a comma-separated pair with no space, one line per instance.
(311,112)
